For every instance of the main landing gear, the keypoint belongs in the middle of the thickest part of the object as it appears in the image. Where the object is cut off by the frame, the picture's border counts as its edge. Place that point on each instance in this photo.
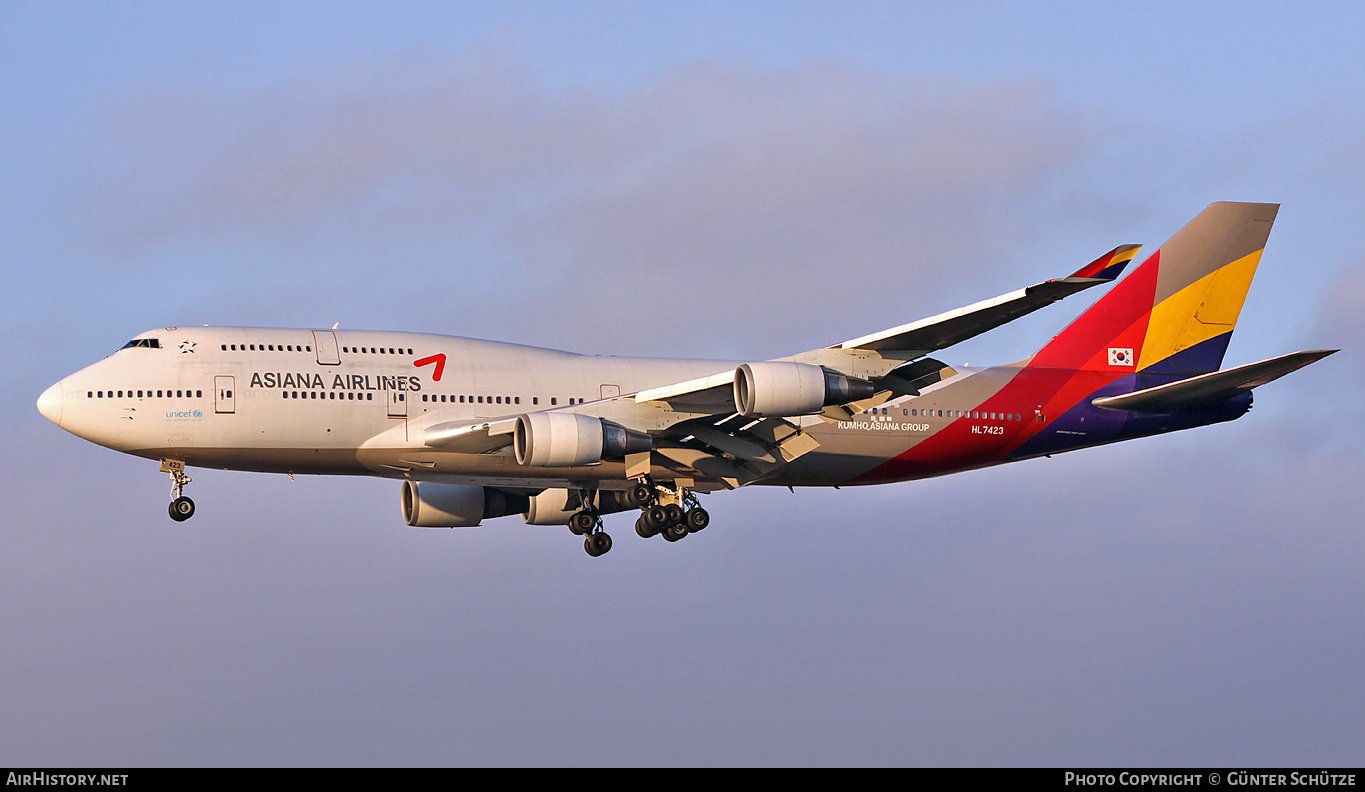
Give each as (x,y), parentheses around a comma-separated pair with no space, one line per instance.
(588,524)
(672,512)
(181,508)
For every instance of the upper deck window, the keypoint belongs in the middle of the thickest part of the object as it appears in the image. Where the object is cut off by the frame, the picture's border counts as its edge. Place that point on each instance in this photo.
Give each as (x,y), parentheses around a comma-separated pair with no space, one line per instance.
(149,343)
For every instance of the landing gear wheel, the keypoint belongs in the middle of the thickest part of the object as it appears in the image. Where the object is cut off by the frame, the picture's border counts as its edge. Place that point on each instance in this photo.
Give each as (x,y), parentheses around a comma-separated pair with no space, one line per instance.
(597,544)
(642,528)
(675,513)
(181,509)
(697,519)
(675,531)
(639,495)
(582,523)
(656,517)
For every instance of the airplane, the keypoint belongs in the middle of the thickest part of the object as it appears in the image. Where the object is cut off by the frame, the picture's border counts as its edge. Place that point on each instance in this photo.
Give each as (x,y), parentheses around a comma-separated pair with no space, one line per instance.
(478,429)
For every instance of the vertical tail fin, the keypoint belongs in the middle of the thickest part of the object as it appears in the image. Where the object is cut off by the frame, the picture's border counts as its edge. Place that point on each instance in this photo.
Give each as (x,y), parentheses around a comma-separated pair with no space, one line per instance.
(1173,316)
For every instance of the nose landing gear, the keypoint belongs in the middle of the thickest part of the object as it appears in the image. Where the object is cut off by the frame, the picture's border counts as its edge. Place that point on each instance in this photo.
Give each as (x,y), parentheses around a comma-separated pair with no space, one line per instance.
(181,508)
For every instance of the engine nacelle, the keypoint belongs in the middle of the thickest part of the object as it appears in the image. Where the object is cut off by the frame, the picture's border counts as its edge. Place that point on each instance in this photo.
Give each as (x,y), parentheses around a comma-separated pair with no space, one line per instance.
(551,506)
(560,439)
(428,504)
(781,389)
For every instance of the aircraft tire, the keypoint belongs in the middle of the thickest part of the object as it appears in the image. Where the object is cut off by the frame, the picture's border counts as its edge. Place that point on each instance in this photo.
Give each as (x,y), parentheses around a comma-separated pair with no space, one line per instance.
(642,528)
(639,495)
(697,519)
(675,531)
(181,509)
(656,517)
(582,522)
(598,544)
(675,513)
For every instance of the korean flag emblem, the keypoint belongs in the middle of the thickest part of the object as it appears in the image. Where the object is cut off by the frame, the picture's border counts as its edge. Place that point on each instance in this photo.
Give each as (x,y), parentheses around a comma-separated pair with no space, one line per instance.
(1120,357)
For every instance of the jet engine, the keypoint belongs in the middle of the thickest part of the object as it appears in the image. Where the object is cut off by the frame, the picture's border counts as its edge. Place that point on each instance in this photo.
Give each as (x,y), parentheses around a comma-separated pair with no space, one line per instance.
(428,504)
(560,439)
(551,506)
(780,389)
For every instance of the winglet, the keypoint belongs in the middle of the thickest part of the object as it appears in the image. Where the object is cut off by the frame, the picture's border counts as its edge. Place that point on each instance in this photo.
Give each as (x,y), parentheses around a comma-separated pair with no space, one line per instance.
(1110,265)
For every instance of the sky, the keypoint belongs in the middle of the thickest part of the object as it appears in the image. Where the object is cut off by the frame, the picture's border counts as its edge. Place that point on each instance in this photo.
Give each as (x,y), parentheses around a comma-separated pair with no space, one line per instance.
(729,180)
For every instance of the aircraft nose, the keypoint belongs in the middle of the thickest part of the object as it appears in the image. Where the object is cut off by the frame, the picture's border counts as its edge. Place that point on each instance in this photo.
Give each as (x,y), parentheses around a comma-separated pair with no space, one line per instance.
(50,404)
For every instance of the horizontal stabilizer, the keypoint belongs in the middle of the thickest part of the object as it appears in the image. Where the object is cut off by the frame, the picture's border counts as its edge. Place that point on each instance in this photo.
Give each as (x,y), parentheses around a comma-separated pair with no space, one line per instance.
(1207,389)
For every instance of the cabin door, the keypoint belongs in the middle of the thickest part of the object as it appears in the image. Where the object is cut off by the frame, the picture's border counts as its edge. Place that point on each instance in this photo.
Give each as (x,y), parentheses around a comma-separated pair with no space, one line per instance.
(224,397)
(398,403)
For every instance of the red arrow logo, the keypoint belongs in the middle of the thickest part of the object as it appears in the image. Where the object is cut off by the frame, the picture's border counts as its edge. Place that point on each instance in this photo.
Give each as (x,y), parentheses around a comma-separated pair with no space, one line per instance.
(440,361)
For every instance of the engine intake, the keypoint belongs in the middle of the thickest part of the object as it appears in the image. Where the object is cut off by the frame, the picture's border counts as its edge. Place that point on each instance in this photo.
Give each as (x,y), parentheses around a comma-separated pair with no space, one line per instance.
(780,389)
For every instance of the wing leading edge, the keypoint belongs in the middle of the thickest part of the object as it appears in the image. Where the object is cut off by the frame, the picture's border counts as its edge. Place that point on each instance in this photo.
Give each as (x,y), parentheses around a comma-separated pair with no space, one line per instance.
(953,327)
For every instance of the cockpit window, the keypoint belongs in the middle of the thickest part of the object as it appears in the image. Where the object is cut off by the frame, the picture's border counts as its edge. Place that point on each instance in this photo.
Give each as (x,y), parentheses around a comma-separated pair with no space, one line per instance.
(150,343)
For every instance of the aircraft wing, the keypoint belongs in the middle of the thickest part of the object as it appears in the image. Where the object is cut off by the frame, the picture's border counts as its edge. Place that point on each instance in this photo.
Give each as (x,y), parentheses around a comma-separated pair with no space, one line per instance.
(952,327)
(471,437)
(699,432)
(875,356)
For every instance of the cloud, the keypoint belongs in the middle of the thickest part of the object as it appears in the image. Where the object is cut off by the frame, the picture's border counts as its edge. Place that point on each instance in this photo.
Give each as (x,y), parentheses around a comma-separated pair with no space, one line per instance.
(718,198)
(1341,321)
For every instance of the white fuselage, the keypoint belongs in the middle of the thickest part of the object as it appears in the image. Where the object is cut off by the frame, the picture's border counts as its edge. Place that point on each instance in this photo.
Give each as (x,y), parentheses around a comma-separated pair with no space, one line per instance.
(314,401)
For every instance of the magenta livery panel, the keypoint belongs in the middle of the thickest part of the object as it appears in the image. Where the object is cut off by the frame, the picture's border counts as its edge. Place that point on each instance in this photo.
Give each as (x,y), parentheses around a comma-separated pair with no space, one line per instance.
(476,430)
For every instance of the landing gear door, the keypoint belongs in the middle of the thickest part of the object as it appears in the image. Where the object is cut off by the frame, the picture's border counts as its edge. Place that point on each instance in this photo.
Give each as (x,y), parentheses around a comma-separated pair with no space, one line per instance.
(325,342)
(224,397)
(398,403)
